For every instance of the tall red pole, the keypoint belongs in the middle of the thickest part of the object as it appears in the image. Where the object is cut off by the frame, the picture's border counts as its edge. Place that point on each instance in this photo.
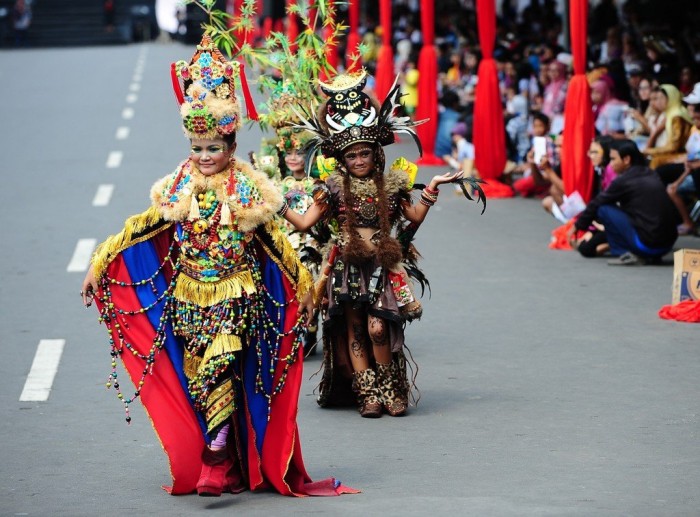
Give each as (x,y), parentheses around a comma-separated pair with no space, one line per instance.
(577,171)
(385,60)
(427,86)
(353,34)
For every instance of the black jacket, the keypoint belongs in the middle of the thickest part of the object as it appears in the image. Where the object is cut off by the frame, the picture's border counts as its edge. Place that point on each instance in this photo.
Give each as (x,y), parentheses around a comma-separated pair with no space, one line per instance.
(640,193)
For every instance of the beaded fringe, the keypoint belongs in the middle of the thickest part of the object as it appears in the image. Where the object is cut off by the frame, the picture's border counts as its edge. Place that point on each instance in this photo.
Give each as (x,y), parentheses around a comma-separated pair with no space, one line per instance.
(115,244)
(206,294)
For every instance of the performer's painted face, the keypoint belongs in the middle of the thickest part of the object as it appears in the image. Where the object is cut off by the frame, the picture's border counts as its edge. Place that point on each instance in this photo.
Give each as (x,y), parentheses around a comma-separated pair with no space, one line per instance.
(211,156)
(294,160)
(359,159)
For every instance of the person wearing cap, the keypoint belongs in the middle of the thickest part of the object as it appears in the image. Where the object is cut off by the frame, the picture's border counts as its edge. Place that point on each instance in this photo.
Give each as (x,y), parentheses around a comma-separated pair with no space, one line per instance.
(365,292)
(205,302)
(693,98)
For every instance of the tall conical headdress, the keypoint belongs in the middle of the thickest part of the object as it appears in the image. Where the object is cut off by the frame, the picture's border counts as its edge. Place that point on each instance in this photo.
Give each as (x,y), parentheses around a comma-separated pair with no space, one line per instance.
(209,106)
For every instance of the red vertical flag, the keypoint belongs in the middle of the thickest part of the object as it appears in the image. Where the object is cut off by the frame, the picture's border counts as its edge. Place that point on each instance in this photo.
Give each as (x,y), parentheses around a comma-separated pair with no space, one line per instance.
(577,171)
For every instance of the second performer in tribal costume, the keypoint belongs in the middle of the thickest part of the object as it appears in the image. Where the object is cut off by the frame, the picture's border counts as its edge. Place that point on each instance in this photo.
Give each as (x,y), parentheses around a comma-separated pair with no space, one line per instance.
(364,291)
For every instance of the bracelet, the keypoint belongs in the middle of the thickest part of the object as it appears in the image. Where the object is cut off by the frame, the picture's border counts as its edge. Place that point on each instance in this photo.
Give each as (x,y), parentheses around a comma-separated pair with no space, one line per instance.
(427,202)
(283,209)
(431,192)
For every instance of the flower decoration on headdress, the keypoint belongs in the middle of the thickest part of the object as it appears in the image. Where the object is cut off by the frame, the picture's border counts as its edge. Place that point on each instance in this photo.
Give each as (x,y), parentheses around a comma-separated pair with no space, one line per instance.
(209,107)
(349,116)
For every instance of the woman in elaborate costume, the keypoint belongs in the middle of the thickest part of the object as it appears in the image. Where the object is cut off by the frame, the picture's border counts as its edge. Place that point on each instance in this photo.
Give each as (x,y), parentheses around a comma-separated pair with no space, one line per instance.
(364,290)
(204,298)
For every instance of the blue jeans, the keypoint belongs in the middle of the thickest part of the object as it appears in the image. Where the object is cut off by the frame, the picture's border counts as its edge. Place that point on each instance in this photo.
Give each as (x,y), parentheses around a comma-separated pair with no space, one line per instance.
(622,237)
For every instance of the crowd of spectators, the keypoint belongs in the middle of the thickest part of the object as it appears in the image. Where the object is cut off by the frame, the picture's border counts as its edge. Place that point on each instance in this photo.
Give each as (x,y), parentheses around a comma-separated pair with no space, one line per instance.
(644,73)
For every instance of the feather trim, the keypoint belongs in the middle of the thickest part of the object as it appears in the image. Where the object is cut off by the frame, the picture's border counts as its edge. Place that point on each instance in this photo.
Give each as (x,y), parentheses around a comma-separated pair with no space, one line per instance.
(206,294)
(288,261)
(176,202)
(133,230)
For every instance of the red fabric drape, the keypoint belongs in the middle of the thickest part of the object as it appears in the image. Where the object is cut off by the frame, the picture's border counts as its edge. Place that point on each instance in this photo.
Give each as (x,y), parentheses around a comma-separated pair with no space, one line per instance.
(427,86)
(577,171)
(489,131)
(385,60)
(331,50)
(292,29)
(687,311)
(353,34)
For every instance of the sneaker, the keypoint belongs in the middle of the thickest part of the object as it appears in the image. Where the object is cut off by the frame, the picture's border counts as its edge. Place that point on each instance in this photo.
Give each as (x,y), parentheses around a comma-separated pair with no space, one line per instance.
(626,259)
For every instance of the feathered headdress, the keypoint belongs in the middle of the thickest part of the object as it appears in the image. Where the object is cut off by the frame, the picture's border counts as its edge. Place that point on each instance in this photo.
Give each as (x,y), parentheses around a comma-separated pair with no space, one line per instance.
(350,116)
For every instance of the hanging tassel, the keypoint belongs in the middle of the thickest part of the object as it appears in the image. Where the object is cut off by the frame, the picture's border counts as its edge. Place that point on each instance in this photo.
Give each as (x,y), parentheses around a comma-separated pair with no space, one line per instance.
(194,209)
(176,85)
(250,107)
(225,214)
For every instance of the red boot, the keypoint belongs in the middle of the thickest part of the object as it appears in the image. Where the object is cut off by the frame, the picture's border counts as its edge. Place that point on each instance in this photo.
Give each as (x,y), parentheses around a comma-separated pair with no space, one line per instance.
(215,466)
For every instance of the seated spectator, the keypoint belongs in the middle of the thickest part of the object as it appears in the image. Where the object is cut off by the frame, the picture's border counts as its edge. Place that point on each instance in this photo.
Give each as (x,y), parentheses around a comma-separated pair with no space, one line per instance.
(516,126)
(643,119)
(550,170)
(691,167)
(462,156)
(447,118)
(639,218)
(532,183)
(677,126)
(609,111)
(594,242)
(555,94)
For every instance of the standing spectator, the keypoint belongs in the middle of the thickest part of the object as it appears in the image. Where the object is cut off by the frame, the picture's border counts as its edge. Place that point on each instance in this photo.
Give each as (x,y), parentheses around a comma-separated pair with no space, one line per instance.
(639,217)
(21,20)
(108,10)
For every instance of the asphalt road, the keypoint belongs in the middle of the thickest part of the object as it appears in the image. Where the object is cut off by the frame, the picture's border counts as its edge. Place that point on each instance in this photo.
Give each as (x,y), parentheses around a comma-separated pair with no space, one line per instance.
(549,385)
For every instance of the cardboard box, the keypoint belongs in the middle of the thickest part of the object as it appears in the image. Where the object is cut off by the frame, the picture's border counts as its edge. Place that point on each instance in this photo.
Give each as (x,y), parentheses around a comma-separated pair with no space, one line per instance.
(686,275)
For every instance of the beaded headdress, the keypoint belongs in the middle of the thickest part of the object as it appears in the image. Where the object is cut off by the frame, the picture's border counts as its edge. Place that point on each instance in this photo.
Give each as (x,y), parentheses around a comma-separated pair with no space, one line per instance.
(350,116)
(209,106)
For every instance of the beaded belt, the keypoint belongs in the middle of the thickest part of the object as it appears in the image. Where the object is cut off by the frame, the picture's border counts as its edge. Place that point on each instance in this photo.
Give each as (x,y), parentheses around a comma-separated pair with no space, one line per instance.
(209,274)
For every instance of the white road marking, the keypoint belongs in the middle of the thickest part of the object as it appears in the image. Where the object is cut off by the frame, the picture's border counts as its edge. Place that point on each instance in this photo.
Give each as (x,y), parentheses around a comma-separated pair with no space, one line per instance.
(40,379)
(81,256)
(103,195)
(136,78)
(128,113)
(135,87)
(114,159)
(122,133)
(131,98)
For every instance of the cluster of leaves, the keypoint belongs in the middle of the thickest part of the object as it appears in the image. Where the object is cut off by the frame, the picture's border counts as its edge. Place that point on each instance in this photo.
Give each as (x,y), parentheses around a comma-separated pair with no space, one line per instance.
(297,64)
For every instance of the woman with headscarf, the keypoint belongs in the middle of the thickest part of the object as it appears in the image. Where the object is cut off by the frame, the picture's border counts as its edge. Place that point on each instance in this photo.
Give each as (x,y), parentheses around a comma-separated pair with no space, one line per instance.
(609,111)
(555,94)
(677,127)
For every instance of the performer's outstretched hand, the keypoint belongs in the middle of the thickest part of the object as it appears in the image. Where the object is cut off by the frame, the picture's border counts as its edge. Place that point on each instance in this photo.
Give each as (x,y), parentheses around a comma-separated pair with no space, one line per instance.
(307,306)
(89,286)
(448,177)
